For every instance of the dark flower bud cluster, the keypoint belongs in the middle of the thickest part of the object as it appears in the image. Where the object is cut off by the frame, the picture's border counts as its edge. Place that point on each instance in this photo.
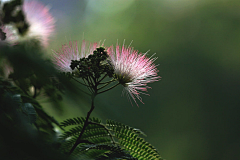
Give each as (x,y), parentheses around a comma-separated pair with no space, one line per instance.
(94,65)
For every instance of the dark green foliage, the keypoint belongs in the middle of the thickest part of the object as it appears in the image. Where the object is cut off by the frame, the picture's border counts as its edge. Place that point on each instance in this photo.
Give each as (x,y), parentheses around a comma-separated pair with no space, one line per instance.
(19,138)
(30,112)
(128,137)
(20,111)
(107,137)
(26,129)
(78,121)
(113,124)
(44,122)
(29,109)
(104,152)
(94,133)
(33,74)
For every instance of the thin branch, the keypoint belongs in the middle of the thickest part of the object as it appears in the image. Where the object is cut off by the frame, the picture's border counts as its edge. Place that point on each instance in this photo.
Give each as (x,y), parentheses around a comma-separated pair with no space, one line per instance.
(109,88)
(112,80)
(78,141)
(84,92)
(107,83)
(89,82)
(89,87)
(102,78)
(80,82)
(92,81)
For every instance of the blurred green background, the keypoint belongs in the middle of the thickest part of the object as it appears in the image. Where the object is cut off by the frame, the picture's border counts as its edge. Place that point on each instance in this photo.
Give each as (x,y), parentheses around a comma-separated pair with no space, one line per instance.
(193,112)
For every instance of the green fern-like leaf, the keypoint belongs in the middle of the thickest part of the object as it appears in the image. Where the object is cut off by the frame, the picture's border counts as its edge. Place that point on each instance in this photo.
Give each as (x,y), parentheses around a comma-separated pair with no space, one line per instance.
(78,121)
(104,152)
(128,137)
(67,144)
(95,133)
(104,139)
(72,132)
(72,121)
(91,128)
(83,152)
(114,124)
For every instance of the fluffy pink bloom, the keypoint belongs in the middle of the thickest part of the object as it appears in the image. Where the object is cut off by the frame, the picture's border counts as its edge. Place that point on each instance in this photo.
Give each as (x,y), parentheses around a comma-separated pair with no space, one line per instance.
(40,20)
(63,57)
(133,70)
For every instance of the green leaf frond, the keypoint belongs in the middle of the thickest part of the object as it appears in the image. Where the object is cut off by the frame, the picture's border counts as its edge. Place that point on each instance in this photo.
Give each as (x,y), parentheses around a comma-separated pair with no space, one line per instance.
(103,152)
(107,138)
(72,121)
(114,124)
(78,121)
(129,139)
(83,152)
(95,132)
(91,131)
(72,132)
(67,144)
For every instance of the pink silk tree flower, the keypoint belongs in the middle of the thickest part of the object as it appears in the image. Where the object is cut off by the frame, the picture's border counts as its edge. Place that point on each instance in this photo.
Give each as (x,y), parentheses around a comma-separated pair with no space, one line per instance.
(41,22)
(63,57)
(133,70)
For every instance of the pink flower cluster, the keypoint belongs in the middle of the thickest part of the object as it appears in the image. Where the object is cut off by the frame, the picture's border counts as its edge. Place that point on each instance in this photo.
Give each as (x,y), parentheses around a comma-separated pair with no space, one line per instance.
(41,23)
(41,26)
(132,69)
(40,20)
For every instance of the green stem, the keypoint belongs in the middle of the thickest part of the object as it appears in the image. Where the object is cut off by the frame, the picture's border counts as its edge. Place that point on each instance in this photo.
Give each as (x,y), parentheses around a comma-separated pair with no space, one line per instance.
(78,141)
(94,89)
(89,88)
(89,82)
(107,83)
(109,88)
(112,80)
(92,80)
(84,85)
(80,82)
(84,92)
(102,78)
